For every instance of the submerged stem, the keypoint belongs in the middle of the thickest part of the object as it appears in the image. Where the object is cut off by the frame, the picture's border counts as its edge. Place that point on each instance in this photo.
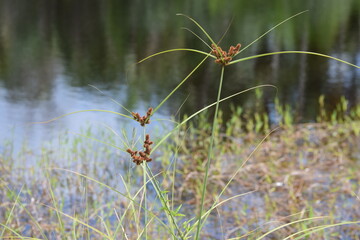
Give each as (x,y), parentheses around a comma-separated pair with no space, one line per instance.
(210,153)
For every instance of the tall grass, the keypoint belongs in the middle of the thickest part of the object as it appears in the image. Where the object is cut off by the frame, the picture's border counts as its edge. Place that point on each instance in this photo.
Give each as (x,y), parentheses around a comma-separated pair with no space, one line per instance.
(141,152)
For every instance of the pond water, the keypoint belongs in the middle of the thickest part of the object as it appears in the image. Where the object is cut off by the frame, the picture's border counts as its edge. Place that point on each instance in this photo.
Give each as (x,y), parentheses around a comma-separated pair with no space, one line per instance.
(52,51)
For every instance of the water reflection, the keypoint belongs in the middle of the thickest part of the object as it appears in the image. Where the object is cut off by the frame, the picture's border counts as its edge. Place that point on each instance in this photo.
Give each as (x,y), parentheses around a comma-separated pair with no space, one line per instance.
(50,51)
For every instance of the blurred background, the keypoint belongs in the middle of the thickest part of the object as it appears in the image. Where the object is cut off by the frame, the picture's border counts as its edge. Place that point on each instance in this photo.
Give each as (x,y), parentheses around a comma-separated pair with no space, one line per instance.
(52,51)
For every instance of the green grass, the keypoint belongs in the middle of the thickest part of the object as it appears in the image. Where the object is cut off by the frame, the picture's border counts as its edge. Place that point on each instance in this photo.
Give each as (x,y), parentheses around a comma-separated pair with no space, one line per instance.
(141,204)
(266,168)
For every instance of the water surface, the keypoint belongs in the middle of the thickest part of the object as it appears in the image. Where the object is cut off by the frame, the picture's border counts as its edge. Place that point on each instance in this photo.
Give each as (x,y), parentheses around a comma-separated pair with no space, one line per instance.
(51,51)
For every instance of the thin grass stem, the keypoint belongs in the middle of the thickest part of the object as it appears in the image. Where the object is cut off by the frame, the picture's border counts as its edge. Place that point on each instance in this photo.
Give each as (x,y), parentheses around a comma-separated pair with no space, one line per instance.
(12,194)
(146,226)
(205,108)
(80,222)
(268,31)
(210,153)
(175,50)
(10,230)
(164,202)
(100,141)
(187,29)
(104,224)
(203,30)
(320,228)
(291,223)
(81,111)
(12,210)
(236,172)
(116,102)
(61,223)
(226,31)
(287,52)
(116,191)
(199,26)
(119,226)
(181,83)
(145,200)
(212,208)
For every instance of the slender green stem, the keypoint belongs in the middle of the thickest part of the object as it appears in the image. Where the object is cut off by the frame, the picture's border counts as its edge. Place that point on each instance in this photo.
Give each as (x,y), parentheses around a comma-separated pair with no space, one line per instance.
(35,222)
(175,50)
(203,109)
(75,219)
(61,223)
(90,110)
(257,39)
(291,223)
(11,211)
(181,83)
(163,200)
(145,201)
(187,29)
(203,30)
(199,26)
(287,52)
(173,182)
(234,175)
(321,228)
(132,199)
(11,230)
(210,153)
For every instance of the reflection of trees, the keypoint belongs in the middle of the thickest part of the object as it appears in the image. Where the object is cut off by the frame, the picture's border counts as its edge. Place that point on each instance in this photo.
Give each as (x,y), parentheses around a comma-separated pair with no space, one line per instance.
(27,65)
(97,39)
(82,40)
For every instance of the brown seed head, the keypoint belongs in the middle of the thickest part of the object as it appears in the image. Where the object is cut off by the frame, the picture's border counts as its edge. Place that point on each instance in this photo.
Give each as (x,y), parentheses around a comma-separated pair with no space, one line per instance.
(149,112)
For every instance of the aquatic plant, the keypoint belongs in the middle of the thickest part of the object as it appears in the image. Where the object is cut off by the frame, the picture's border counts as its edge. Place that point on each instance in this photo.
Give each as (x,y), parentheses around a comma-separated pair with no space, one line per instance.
(175,224)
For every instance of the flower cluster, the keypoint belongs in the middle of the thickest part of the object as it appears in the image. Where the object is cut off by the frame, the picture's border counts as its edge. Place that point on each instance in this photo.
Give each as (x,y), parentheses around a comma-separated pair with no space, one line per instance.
(144,119)
(139,156)
(223,57)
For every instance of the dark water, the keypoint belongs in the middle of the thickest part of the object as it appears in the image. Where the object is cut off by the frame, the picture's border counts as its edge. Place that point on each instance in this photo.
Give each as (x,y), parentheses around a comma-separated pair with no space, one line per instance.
(50,51)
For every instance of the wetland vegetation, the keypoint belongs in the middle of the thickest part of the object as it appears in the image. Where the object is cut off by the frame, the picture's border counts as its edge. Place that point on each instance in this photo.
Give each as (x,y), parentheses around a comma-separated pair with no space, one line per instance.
(300,171)
(223,172)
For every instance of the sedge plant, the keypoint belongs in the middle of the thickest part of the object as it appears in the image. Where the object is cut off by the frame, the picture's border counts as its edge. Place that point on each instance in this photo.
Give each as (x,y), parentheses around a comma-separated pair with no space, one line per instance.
(225,59)
(175,225)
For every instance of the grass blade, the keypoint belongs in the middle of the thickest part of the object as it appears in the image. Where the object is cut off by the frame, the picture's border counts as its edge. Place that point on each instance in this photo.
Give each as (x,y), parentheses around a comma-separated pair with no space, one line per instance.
(29,214)
(203,217)
(205,108)
(198,25)
(116,102)
(10,230)
(52,196)
(187,29)
(163,201)
(81,222)
(175,50)
(320,228)
(291,223)
(100,141)
(116,191)
(181,83)
(291,52)
(80,111)
(268,31)
(11,211)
